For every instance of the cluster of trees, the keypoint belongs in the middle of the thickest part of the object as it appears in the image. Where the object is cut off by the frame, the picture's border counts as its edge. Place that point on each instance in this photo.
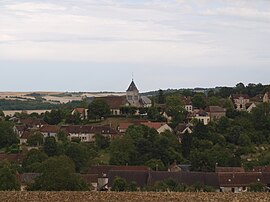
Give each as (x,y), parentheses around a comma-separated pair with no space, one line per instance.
(144,146)
(168,185)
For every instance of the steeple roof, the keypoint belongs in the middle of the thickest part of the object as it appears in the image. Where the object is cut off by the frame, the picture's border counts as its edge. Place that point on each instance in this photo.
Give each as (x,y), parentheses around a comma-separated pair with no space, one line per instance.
(132,87)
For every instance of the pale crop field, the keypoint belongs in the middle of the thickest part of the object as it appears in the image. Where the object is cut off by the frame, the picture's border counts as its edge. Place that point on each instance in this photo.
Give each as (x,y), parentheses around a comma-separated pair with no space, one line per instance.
(138,197)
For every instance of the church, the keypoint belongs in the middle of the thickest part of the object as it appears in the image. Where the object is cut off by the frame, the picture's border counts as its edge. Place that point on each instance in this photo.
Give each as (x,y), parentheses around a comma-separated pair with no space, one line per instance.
(132,99)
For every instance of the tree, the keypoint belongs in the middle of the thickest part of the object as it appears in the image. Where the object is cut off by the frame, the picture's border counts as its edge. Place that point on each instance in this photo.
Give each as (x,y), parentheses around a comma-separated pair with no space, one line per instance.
(102,142)
(73,118)
(175,108)
(58,174)
(98,109)
(62,136)
(119,185)
(79,154)
(8,179)
(33,160)
(2,113)
(186,144)
(256,187)
(198,101)
(35,139)
(54,117)
(161,97)
(155,164)
(121,150)
(50,146)
(7,134)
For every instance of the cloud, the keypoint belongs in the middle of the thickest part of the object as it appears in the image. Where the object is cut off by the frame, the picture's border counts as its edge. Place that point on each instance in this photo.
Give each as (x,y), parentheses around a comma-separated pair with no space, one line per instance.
(184,33)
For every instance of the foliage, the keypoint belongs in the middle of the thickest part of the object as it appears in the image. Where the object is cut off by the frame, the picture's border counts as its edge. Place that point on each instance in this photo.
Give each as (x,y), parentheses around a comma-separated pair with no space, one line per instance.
(199,101)
(121,185)
(98,109)
(58,174)
(54,117)
(8,179)
(7,134)
(256,187)
(35,139)
(101,141)
(50,146)
(33,161)
(79,153)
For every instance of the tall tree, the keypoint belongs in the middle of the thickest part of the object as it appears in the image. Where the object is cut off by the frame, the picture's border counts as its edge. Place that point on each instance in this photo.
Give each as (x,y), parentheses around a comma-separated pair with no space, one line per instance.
(58,175)
(7,134)
(8,179)
(50,146)
(98,109)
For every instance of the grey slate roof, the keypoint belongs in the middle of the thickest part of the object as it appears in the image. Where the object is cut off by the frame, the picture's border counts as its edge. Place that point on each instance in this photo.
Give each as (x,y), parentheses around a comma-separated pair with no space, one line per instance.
(132,87)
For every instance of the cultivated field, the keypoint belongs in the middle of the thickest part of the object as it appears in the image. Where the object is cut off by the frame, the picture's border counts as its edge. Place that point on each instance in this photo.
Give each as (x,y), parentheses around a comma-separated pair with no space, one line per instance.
(139,197)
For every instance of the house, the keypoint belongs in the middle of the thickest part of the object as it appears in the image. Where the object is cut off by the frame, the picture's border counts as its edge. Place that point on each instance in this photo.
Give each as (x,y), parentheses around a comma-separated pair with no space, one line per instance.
(87,132)
(50,131)
(238,182)
(14,158)
(240,101)
(123,126)
(109,172)
(81,111)
(181,129)
(229,169)
(261,169)
(266,97)
(216,112)
(19,130)
(27,179)
(187,178)
(187,102)
(160,127)
(174,167)
(138,177)
(24,137)
(91,179)
(33,123)
(145,102)
(115,103)
(250,106)
(200,115)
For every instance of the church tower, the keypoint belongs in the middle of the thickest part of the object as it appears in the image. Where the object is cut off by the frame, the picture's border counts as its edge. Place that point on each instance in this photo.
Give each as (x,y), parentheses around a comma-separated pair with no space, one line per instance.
(133,95)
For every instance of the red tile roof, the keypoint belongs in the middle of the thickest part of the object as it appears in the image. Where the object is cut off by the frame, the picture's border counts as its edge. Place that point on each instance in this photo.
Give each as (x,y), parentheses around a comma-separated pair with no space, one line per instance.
(229,169)
(261,169)
(25,135)
(106,129)
(80,110)
(131,168)
(243,179)
(114,102)
(237,96)
(155,125)
(17,158)
(50,129)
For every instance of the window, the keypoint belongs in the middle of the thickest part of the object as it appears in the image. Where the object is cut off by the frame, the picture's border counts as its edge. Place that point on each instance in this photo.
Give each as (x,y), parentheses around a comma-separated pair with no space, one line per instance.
(136,97)
(129,97)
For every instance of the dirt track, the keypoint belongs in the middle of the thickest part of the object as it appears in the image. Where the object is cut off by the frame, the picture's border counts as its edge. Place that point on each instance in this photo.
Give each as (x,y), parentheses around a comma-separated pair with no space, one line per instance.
(140,197)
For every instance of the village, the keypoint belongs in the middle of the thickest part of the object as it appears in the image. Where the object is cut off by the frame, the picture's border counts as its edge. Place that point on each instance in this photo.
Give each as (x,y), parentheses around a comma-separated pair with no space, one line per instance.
(106,120)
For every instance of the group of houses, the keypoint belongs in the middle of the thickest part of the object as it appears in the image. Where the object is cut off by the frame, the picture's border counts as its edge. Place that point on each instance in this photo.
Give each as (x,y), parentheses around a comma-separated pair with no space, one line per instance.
(224,179)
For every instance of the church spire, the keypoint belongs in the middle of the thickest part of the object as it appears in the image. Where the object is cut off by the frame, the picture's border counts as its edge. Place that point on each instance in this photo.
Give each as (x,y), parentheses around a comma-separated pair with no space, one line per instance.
(132,86)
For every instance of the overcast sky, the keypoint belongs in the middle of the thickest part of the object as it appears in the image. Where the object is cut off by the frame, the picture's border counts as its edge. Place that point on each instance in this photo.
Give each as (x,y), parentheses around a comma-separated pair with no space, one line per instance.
(95,45)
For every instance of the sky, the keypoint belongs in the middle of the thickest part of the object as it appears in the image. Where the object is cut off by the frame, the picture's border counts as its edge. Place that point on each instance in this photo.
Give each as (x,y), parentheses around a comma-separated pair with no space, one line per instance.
(97,45)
